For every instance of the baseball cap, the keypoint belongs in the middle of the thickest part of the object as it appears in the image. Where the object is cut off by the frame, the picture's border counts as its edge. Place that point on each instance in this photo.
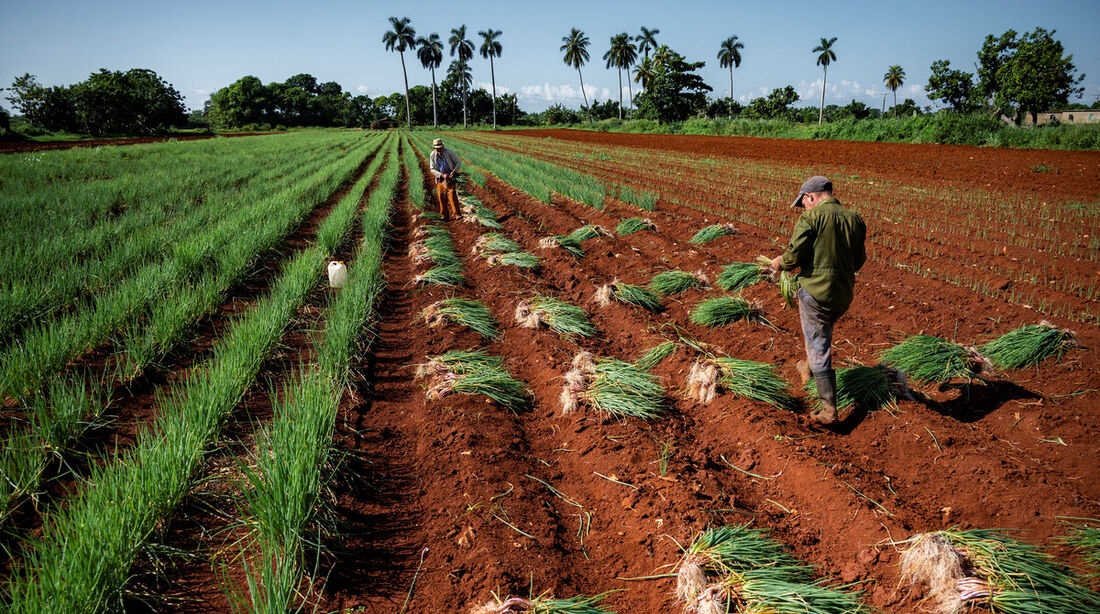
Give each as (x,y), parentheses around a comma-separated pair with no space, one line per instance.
(817,183)
(437,144)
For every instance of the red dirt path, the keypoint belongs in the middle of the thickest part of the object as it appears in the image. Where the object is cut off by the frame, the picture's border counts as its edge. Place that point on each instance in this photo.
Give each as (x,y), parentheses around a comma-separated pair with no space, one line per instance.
(448,477)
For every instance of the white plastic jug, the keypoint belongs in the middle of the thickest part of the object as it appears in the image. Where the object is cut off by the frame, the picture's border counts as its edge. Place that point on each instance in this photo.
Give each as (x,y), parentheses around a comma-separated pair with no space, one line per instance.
(337,274)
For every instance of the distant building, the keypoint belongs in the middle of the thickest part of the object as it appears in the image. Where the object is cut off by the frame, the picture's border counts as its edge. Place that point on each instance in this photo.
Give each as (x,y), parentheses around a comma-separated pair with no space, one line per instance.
(1076,116)
(384,124)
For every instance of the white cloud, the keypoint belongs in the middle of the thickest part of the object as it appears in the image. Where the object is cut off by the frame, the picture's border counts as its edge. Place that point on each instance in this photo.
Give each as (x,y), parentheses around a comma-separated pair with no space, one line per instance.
(539,97)
(362,89)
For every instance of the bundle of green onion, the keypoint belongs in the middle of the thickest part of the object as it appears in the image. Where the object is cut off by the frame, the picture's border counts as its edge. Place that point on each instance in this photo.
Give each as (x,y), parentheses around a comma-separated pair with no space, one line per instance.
(556,314)
(473,372)
(753,380)
(469,313)
(739,569)
(1028,345)
(543,604)
(675,282)
(635,295)
(566,242)
(712,232)
(613,387)
(870,388)
(495,242)
(983,566)
(740,275)
(449,275)
(725,310)
(927,359)
(632,225)
(523,260)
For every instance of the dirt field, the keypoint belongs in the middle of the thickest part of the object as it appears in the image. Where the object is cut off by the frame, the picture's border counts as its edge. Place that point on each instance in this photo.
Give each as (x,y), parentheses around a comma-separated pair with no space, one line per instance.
(444,503)
(448,474)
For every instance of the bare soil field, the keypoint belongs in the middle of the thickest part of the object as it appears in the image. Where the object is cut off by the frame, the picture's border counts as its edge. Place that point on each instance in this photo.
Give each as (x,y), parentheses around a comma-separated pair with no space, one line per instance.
(457,507)
(442,503)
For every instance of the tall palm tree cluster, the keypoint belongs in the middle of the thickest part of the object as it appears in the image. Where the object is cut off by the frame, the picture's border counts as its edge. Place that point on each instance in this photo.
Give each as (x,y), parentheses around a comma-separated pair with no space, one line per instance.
(622,54)
(401,37)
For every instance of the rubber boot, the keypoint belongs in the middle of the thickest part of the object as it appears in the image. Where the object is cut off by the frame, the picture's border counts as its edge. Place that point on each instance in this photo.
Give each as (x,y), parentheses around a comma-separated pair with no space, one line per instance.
(826,391)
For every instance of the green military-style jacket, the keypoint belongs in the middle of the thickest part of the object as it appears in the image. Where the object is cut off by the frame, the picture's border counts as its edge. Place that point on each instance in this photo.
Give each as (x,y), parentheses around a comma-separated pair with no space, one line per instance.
(827,248)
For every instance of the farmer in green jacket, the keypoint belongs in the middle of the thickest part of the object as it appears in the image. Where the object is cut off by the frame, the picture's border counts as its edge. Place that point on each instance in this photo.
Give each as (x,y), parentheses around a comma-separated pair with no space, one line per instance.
(827,249)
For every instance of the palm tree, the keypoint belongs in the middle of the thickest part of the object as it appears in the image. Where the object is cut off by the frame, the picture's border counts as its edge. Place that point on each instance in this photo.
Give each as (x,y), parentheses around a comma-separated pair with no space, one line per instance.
(647,40)
(465,50)
(490,48)
(894,78)
(460,72)
(621,54)
(729,56)
(430,52)
(644,73)
(576,54)
(824,58)
(400,38)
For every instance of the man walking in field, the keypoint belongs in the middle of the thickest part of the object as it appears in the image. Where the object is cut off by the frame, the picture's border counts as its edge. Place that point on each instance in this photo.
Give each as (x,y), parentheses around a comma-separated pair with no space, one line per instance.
(444,165)
(827,249)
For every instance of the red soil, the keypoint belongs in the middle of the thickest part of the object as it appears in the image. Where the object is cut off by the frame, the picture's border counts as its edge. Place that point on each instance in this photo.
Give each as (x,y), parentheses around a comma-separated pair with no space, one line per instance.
(440,504)
(445,479)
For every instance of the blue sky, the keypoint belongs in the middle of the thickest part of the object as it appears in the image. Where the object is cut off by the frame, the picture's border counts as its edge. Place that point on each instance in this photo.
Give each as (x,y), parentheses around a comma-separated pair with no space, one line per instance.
(203,45)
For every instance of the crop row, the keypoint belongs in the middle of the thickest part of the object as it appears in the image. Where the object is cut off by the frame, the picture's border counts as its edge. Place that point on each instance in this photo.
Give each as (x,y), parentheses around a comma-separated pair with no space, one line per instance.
(88,546)
(145,323)
(294,452)
(118,211)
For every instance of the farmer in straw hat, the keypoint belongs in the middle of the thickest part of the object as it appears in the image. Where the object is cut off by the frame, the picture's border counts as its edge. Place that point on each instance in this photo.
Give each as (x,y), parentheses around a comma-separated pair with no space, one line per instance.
(444,165)
(827,248)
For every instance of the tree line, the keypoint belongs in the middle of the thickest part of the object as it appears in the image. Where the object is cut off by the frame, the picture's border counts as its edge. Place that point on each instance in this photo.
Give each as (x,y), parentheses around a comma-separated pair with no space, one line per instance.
(1018,75)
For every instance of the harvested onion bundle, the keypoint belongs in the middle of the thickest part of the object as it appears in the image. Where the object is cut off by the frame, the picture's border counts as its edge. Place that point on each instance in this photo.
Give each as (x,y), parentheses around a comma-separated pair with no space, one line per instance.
(738,569)
(676,282)
(469,313)
(929,360)
(473,373)
(1029,345)
(635,295)
(710,233)
(613,387)
(745,378)
(632,225)
(543,605)
(725,310)
(981,566)
(554,313)
(741,275)
(870,388)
